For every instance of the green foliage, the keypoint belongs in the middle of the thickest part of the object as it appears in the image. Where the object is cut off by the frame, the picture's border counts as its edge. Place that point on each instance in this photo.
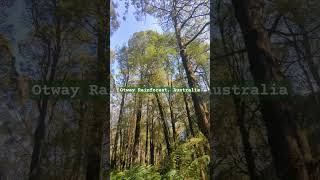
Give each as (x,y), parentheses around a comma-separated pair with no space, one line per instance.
(147,52)
(185,162)
(137,173)
(188,159)
(199,52)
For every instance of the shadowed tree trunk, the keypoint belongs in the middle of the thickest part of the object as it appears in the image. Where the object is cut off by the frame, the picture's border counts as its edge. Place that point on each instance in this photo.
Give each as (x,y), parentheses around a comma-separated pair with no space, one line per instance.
(38,140)
(188,114)
(115,145)
(164,125)
(239,104)
(199,107)
(147,133)
(100,119)
(173,121)
(39,135)
(137,131)
(151,160)
(289,146)
(247,149)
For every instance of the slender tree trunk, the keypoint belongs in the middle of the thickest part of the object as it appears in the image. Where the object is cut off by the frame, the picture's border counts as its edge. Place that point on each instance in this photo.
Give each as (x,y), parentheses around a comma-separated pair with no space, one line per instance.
(212,103)
(38,141)
(199,107)
(78,163)
(115,145)
(151,159)
(122,135)
(35,166)
(188,114)
(147,134)
(100,120)
(288,145)
(125,148)
(129,145)
(247,149)
(164,125)
(173,123)
(185,99)
(137,131)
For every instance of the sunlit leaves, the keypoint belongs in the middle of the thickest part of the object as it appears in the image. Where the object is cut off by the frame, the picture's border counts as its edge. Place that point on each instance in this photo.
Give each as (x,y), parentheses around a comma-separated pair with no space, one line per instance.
(199,52)
(148,52)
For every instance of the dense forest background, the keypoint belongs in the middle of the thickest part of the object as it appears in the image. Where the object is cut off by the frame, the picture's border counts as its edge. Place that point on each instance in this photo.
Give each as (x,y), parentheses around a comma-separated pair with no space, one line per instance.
(161,136)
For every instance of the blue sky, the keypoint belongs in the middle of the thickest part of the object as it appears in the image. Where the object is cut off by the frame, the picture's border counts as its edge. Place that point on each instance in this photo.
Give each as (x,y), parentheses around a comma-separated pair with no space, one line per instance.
(129,26)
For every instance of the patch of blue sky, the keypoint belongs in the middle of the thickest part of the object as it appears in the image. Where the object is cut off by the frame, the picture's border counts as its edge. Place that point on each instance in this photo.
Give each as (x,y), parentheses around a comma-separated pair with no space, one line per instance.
(131,25)
(128,27)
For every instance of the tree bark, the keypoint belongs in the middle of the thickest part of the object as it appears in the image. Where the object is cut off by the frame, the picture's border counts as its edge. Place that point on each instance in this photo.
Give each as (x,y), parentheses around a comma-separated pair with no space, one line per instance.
(199,107)
(173,121)
(164,125)
(100,120)
(188,114)
(247,149)
(115,145)
(137,131)
(147,134)
(151,160)
(38,141)
(289,147)
(39,135)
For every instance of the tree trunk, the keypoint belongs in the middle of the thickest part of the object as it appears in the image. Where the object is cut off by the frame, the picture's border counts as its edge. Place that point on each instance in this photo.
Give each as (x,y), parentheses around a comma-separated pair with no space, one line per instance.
(121,160)
(247,149)
(199,107)
(239,105)
(173,121)
(38,141)
(100,120)
(35,169)
(115,145)
(188,114)
(151,160)
(288,146)
(147,134)
(137,131)
(164,125)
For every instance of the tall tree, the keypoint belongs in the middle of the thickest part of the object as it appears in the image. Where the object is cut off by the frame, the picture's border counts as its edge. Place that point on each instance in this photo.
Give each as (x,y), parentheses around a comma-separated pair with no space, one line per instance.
(288,145)
(53,46)
(100,120)
(125,69)
(188,20)
(164,124)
